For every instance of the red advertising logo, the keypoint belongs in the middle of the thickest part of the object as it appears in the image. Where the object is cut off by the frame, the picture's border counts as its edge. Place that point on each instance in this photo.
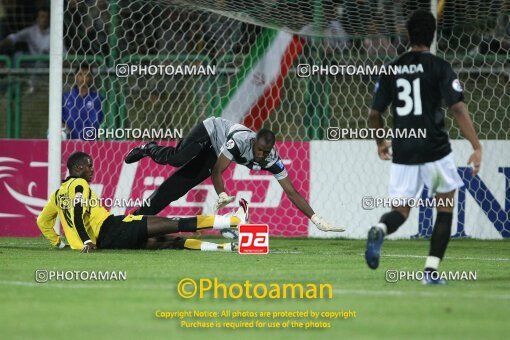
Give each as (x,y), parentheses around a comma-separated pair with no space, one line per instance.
(24,174)
(253,239)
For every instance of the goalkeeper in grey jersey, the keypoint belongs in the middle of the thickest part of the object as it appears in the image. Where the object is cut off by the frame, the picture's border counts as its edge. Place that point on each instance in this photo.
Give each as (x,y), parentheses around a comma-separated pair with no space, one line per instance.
(208,150)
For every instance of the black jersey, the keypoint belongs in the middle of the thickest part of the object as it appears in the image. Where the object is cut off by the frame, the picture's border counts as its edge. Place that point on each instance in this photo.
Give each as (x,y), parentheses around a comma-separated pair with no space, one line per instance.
(416,89)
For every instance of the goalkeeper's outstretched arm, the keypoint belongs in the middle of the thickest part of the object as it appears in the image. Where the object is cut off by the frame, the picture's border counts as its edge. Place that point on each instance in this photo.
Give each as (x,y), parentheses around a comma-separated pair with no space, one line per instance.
(296,198)
(217,178)
(217,173)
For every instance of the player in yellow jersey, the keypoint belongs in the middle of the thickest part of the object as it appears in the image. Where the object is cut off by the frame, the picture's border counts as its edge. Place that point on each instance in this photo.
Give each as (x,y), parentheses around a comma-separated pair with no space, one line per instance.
(88,225)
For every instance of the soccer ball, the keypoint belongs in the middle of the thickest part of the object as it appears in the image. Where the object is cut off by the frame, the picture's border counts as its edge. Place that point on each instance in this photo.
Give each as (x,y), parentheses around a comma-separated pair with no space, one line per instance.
(230,233)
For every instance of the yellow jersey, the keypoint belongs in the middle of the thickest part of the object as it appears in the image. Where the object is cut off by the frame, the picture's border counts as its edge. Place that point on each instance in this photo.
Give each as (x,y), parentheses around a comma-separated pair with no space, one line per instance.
(79,210)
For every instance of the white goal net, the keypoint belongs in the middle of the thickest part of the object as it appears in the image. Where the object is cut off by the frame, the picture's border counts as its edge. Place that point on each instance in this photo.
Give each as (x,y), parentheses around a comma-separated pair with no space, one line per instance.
(171,64)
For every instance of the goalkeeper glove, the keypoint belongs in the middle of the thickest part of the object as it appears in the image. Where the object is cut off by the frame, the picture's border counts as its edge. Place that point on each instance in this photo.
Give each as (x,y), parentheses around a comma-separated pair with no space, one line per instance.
(223,200)
(324,225)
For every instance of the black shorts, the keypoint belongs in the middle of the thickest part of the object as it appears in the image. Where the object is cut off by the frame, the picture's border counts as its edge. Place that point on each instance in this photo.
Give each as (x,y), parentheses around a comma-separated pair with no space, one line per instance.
(123,232)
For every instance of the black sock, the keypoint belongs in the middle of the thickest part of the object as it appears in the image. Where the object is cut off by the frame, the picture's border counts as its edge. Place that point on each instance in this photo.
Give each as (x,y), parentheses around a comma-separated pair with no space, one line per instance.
(392,220)
(187,224)
(441,234)
(170,242)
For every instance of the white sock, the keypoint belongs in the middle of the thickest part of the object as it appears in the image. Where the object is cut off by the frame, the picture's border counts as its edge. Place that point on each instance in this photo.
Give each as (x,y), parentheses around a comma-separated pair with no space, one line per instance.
(208,246)
(432,262)
(226,247)
(383,227)
(221,222)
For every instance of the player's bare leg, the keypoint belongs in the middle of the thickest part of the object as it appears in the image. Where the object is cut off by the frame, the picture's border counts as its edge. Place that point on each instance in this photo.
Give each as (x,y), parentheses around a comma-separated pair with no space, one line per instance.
(440,237)
(388,224)
(165,242)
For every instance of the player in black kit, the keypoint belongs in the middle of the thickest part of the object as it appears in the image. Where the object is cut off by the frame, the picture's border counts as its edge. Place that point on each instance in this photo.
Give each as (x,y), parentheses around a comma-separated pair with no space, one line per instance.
(420,83)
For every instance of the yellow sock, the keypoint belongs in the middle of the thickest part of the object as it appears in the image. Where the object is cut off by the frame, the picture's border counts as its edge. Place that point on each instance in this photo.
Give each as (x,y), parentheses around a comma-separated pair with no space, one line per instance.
(205,222)
(192,244)
(217,222)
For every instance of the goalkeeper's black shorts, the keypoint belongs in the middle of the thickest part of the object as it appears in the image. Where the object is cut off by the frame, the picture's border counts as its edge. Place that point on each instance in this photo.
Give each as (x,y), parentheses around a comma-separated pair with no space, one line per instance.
(197,141)
(123,232)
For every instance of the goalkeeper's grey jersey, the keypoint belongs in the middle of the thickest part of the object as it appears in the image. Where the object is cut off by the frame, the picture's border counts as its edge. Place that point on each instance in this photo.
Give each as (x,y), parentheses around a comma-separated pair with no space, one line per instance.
(235,142)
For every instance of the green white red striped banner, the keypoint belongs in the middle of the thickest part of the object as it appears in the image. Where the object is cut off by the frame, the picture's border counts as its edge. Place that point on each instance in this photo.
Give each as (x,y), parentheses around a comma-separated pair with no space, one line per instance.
(257,86)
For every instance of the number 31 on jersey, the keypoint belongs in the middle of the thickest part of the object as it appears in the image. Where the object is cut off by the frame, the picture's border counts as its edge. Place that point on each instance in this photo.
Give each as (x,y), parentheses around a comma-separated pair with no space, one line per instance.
(410,95)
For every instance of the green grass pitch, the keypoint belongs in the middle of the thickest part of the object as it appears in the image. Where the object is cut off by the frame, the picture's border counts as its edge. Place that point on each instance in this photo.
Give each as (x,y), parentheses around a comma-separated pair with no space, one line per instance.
(126,309)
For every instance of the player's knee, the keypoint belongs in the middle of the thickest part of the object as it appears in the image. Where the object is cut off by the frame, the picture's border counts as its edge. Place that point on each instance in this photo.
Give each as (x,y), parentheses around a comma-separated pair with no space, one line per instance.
(404,211)
(447,210)
(445,202)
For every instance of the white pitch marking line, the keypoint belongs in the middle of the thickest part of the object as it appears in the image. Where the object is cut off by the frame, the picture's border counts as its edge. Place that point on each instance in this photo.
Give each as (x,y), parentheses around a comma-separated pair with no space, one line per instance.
(285,252)
(448,294)
(92,285)
(56,285)
(449,258)
(419,293)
